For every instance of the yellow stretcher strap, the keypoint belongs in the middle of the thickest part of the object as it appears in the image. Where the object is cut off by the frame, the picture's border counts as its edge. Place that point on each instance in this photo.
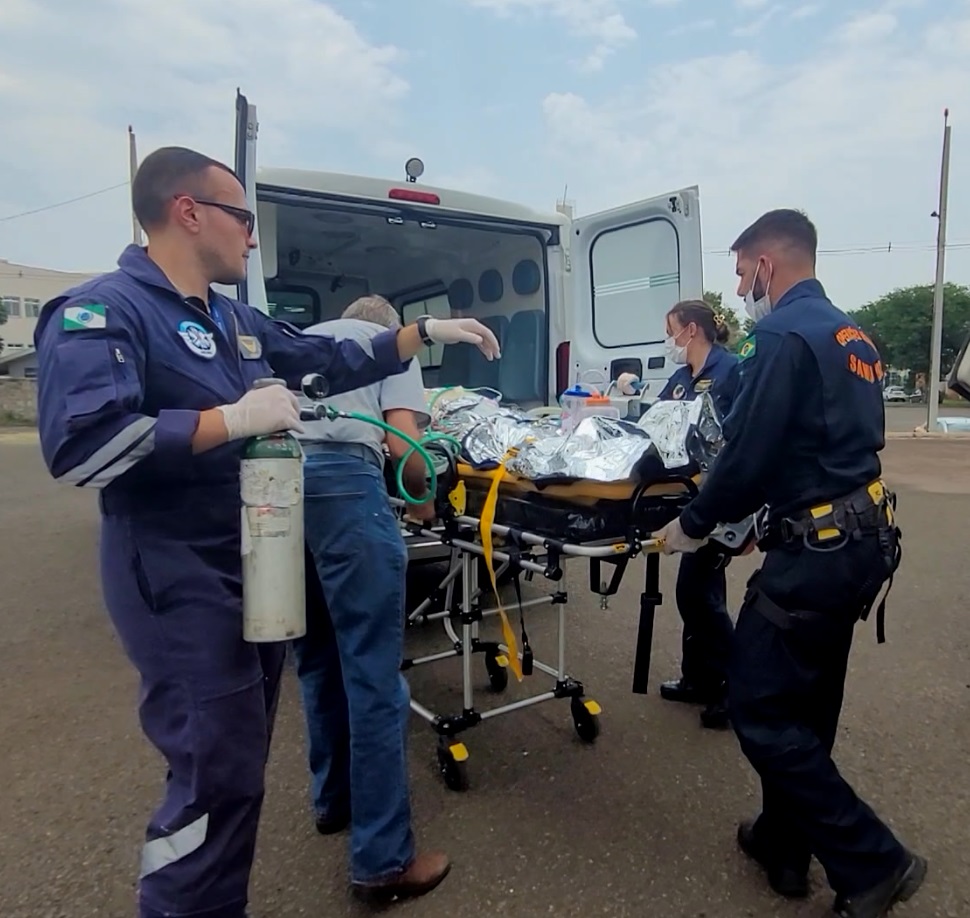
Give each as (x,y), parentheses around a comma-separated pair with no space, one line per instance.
(485,527)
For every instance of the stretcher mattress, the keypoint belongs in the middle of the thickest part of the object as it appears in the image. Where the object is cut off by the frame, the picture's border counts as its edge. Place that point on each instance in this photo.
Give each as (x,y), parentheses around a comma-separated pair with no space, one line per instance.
(579,511)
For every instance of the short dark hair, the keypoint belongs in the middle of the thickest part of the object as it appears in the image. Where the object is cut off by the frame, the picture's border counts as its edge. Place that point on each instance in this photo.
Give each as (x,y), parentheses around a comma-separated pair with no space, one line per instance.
(163,174)
(704,317)
(789,227)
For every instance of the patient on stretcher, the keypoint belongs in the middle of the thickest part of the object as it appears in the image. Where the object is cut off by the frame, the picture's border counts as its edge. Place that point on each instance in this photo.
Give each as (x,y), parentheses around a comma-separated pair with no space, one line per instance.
(594,482)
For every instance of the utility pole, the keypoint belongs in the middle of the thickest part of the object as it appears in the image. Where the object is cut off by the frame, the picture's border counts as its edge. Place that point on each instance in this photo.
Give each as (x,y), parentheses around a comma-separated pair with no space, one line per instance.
(933,383)
(132,168)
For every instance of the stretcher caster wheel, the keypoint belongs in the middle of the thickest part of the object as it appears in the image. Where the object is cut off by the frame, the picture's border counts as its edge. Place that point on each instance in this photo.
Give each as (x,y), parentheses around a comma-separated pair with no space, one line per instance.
(498,672)
(451,764)
(586,719)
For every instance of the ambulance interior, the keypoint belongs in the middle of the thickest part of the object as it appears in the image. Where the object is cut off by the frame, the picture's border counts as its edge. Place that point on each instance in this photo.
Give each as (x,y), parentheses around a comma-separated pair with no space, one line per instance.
(317,258)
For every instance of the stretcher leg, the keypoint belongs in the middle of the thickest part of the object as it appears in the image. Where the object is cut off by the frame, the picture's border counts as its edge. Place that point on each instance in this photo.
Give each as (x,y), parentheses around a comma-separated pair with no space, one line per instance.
(650,598)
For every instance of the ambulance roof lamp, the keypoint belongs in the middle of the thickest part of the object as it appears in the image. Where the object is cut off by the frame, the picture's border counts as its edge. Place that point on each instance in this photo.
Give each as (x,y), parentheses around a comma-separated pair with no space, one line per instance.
(414,169)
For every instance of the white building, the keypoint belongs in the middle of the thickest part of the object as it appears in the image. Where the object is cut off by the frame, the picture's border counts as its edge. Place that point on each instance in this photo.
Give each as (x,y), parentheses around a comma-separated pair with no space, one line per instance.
(23,290)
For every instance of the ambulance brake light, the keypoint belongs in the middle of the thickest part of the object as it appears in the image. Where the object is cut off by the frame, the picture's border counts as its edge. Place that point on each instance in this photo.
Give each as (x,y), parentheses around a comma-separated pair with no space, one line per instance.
(418,197)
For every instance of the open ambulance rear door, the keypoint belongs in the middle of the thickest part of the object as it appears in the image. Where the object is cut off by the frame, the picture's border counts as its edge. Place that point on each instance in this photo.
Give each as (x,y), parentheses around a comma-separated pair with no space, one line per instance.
(252,289)
(629,265)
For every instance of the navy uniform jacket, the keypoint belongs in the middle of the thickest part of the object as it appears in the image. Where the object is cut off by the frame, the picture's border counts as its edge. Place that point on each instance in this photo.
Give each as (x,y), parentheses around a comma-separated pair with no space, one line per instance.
(126,364)
(808,421)
(718,376)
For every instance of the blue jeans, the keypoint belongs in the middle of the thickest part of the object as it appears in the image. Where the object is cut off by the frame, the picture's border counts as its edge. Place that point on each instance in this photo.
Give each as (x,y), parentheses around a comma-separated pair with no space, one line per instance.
(355,699)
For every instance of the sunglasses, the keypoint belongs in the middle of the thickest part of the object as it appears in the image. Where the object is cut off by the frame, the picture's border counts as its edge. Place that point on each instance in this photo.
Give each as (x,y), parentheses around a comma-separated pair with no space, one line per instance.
(246,217)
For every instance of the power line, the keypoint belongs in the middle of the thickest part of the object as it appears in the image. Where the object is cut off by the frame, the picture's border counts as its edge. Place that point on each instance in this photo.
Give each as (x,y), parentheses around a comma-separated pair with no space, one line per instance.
(83,197)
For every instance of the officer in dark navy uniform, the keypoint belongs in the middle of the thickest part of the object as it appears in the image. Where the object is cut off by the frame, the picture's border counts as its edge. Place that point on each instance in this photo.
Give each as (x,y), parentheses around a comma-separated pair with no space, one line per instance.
(145,393)
(695,342)
(802,445)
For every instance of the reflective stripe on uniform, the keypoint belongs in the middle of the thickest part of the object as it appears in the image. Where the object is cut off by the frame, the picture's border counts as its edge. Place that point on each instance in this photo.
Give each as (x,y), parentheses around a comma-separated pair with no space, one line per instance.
(120,453)
(160,852)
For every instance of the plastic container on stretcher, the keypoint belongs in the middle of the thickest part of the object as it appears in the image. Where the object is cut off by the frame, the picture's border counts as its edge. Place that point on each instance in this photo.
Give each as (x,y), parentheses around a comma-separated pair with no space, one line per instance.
(578,402)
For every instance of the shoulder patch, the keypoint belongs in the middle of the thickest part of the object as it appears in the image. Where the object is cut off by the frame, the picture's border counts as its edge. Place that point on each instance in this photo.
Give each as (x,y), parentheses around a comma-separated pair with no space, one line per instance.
(92,315)
(747,348)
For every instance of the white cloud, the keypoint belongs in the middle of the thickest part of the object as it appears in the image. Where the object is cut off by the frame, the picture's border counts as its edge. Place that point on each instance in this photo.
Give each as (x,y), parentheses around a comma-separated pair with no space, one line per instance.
(868,27)
(171,69)
(599,21)
(750,4)
(851,133)
(688,28)
(805,11)
(757,25)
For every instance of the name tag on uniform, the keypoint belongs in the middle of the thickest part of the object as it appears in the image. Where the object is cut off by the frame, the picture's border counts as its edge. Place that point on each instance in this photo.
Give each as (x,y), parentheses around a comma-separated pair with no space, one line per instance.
(702,385)
(250,347)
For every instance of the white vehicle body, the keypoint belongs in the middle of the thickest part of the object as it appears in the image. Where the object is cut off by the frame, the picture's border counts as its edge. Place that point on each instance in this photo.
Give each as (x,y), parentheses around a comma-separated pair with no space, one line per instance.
(564,295)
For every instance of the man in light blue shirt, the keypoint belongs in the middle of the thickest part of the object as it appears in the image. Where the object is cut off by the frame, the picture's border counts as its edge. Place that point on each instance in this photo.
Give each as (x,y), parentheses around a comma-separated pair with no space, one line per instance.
(356,701)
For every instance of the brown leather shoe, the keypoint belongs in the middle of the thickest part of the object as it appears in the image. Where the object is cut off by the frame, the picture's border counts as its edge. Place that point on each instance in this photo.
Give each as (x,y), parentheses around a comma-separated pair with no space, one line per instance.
(425,873)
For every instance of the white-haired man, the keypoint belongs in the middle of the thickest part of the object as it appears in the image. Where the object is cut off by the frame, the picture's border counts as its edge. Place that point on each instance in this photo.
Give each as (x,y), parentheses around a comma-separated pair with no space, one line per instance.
(356,701)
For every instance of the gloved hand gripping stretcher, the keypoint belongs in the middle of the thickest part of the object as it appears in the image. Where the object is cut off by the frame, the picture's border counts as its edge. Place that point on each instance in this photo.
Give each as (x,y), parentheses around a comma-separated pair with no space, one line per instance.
(517,493)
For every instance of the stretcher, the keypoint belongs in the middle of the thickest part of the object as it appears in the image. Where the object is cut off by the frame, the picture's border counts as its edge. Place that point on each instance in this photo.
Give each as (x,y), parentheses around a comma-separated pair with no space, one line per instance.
(527,529)
(522,526)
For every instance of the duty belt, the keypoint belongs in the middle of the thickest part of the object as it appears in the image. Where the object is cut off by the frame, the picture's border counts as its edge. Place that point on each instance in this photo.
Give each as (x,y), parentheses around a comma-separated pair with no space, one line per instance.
(828,526)
(867,509)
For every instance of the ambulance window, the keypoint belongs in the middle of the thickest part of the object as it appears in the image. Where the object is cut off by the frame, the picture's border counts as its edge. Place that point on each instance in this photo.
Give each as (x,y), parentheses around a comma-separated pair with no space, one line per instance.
(635,273)
(299,307)
(437,306)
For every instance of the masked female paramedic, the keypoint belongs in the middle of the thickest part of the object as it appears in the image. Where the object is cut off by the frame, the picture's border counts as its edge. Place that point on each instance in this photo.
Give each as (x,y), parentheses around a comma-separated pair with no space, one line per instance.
(695,340)
(145,395)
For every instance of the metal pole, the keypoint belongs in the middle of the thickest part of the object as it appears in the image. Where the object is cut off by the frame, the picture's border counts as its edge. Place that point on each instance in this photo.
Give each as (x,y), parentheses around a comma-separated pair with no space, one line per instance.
(132,169)
(933,383)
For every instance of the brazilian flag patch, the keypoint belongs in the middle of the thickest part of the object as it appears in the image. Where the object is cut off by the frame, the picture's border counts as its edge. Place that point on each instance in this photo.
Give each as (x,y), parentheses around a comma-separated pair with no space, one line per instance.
(747,348)
(80,317)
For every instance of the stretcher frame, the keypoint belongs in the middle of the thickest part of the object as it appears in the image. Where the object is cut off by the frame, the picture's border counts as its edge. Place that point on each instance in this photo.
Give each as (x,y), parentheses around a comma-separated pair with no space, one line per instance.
(531,553)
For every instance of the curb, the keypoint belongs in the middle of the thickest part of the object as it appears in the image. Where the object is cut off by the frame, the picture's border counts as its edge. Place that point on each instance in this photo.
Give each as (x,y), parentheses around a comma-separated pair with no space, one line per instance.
(923,434)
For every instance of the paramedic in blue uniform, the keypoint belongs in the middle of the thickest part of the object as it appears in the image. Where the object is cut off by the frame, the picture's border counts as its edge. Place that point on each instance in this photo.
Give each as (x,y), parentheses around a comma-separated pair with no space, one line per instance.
(695,341)
(144,394)
(355,699)
(803,441)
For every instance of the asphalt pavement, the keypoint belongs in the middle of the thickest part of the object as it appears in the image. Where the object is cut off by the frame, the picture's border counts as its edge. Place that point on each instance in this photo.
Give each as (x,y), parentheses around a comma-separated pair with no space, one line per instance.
(639,824)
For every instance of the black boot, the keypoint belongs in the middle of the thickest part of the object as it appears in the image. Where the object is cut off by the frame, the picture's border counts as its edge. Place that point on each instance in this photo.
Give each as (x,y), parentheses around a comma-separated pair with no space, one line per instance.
(715,716)
(784,880)
(687,692)
(899,886)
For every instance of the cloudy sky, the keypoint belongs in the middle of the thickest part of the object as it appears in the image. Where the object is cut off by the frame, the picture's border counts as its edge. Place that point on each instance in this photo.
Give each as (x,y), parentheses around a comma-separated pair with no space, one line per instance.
(834,107)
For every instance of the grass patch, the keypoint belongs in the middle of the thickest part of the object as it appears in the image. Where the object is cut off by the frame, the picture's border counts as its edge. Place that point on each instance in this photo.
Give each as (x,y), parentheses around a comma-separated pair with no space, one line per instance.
(12,419)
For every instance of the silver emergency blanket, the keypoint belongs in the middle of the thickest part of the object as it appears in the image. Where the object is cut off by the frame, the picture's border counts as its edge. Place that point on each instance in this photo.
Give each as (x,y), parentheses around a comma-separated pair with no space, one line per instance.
(671,436)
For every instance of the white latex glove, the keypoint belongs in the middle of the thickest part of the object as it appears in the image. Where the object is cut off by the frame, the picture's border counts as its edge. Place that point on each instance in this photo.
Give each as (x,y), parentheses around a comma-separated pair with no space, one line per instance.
(676,540)
(452,331)
(262,411)
(625,383)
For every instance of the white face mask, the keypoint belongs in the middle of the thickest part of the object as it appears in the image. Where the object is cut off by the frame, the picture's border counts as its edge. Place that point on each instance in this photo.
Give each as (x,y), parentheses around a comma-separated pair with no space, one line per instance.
(759,308)
(677,353)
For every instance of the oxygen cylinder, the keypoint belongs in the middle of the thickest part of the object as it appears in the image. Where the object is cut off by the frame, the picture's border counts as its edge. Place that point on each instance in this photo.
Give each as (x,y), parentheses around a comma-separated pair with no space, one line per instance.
(271,486)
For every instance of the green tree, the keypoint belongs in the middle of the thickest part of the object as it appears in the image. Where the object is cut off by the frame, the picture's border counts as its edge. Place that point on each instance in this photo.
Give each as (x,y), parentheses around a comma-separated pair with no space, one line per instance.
(3,320)
(716,301)
(900,324)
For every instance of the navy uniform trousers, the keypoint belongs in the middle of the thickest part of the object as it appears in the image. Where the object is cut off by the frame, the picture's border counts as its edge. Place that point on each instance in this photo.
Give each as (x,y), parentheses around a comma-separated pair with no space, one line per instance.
(785,695)
(702,602)
(209,713)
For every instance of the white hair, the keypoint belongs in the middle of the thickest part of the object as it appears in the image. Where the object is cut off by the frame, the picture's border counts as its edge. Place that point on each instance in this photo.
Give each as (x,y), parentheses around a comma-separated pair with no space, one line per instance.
(374,309)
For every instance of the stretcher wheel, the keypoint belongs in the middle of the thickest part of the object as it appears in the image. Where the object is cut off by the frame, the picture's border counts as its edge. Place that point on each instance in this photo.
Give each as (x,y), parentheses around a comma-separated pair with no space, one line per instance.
(452,760)
(498,673)
(586,719)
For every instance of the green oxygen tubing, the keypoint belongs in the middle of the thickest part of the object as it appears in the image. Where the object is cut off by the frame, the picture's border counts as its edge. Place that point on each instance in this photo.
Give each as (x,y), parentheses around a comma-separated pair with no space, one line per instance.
(314,387)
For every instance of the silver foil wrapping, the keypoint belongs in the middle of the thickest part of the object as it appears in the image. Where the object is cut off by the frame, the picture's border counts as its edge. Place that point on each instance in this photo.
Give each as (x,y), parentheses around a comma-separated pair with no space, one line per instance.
(676,434)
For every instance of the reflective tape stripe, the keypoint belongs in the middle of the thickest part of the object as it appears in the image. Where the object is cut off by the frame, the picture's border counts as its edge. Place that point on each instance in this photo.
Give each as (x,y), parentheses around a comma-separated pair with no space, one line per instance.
(120,453)
(160,852)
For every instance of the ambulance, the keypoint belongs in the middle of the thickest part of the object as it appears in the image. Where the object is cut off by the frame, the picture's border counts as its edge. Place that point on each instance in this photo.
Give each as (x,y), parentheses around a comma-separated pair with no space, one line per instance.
(569,297)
